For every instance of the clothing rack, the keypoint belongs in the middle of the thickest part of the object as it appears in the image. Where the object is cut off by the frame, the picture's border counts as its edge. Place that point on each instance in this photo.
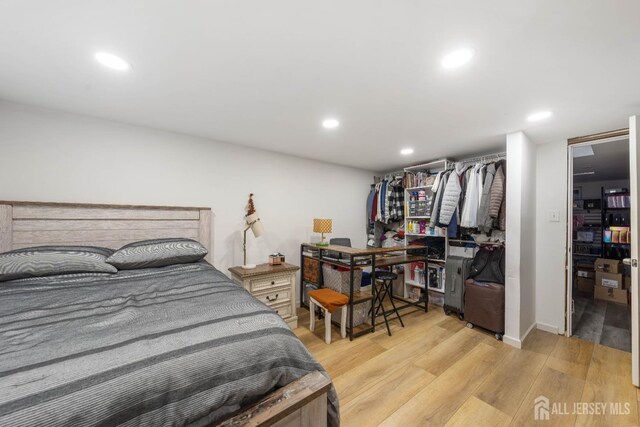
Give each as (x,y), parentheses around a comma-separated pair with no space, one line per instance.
(389,176)
(485,158)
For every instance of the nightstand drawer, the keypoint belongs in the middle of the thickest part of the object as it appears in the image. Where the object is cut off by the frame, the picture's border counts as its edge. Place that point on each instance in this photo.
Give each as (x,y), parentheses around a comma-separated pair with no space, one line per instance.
(267,283)
(283,310)
(276,296)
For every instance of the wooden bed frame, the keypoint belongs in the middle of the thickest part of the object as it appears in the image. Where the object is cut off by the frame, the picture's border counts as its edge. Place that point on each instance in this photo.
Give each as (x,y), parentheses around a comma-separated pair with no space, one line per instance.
(27,224)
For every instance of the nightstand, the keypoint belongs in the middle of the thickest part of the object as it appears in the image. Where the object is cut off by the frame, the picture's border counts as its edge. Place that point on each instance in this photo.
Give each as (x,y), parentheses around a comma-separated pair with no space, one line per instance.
(274,285)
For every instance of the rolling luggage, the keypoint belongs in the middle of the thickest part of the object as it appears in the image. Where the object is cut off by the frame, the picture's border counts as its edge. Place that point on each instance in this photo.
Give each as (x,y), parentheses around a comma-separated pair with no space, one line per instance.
(456,271)
(484,306)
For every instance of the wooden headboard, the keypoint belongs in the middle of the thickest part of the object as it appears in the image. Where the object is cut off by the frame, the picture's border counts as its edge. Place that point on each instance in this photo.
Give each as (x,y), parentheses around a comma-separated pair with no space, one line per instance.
(25,224)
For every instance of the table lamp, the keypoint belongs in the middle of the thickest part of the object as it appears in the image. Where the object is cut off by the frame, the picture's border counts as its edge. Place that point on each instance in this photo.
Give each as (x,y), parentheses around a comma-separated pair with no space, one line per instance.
(253,223)
(322,226)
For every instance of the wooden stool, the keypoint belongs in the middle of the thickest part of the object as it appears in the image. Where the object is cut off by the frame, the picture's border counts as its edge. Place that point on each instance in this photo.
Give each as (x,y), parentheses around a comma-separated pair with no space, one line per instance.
(329,300)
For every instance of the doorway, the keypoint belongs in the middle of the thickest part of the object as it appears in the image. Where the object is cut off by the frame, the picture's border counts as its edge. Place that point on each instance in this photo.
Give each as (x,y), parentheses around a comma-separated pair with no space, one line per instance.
(600,224)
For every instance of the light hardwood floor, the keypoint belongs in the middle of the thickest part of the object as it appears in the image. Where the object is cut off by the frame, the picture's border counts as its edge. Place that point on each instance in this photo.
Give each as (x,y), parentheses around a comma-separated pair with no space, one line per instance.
(435,371)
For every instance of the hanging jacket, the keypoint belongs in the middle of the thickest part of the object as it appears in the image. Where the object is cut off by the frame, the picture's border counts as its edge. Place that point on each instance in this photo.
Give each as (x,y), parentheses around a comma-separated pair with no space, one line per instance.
(387,202)
(396,202)
(437,199)
(372,194)
(502,219)
(383,200)
(480,183)
(451,195)
(484,220)
(374,203)
(497,194)
(436,183)
(469,217)
(464,180)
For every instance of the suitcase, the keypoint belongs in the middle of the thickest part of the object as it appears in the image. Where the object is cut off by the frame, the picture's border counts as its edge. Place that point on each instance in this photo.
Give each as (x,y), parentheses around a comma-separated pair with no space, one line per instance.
(456,271)
(484,306)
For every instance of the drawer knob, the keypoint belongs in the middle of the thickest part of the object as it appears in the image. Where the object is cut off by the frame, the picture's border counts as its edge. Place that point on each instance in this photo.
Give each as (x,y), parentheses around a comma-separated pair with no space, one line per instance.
(273,282)
(277,312)
(272,299)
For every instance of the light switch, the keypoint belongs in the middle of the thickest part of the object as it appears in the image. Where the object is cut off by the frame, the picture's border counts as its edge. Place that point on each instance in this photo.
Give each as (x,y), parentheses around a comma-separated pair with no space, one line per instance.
(554,216)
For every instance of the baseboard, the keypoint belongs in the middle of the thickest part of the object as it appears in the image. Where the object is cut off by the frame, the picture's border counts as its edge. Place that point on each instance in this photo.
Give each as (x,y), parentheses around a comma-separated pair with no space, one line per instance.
(526,334)
(513,342)
(517,343)
(548,328)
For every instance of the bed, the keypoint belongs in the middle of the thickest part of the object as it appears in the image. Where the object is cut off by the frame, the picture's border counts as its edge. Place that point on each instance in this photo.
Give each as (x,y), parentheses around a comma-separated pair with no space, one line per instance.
(175,345)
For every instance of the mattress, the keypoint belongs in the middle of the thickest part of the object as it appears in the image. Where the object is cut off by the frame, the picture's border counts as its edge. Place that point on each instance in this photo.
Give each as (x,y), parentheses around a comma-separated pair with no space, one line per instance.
(178,345)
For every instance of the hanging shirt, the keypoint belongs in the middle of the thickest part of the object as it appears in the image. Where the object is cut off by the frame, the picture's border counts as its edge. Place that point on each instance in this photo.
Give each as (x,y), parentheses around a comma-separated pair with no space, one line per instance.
(480,182)
(396,201)
(379,210)
(469,218)
(484,220)
(372,194)
(384,205)
(374,204)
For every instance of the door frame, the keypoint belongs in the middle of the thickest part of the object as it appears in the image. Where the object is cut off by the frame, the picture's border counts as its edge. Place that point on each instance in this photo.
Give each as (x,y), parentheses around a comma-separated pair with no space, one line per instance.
(634,160)
(582,141)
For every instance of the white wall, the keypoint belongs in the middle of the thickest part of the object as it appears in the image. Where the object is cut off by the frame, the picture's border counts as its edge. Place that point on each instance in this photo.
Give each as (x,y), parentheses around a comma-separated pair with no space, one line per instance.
(551,248)
(59,157)
(520,315)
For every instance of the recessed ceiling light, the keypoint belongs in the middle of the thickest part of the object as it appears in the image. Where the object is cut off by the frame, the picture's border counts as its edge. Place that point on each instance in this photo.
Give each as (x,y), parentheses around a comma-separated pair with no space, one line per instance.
(112,61)
(541,115)
(330,124)
(457,58)
(406,151)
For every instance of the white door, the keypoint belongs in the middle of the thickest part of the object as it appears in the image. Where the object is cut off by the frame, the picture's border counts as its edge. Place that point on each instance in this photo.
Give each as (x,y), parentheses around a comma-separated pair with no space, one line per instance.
(568,331)
(634,162)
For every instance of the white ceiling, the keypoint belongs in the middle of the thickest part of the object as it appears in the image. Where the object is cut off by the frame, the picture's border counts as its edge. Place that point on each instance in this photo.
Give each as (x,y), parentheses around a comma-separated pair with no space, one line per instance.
(610,161)
(265,73)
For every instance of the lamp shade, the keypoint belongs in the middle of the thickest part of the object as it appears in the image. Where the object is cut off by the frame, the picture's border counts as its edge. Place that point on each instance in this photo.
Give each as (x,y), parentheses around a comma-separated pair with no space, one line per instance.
(322,225)
(254,222)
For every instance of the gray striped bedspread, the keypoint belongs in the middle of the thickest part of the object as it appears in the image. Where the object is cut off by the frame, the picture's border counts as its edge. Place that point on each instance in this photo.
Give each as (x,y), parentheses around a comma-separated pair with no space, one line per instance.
(178,345)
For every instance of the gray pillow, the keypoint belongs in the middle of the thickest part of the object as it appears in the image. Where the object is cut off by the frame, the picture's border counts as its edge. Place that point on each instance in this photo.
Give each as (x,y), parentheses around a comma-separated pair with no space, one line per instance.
(54,260)
(157,253)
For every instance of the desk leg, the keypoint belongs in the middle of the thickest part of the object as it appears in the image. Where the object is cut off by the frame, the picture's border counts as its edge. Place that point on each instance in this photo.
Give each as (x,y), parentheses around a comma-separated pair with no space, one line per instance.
(426,286)
(302,304)
(351,298)
(320,277)
(373,292)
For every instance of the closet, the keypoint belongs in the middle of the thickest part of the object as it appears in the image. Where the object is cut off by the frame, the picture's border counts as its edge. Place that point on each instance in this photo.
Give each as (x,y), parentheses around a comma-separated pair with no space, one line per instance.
(451,206)
(601,238)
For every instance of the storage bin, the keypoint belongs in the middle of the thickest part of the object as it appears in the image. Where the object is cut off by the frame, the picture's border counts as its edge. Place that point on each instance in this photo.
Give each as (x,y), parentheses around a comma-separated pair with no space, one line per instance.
(339,281)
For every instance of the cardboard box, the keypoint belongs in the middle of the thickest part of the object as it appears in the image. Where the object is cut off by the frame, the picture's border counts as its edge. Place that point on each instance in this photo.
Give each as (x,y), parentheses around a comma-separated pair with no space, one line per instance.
(587,274)
(611,294)
(627,282)
(585,284)
(608,265)
(609,280)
